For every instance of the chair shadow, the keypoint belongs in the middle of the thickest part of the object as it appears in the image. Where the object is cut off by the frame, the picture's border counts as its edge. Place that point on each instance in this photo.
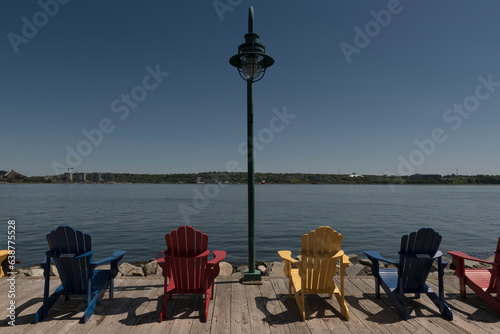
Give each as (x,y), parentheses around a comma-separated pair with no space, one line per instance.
(25,318)
(72,309)
(178,307)
(388,313)
(314,304)
(483,312)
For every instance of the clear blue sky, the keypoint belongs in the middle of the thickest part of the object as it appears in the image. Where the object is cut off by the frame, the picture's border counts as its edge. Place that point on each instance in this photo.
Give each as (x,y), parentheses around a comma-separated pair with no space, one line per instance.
(361,101)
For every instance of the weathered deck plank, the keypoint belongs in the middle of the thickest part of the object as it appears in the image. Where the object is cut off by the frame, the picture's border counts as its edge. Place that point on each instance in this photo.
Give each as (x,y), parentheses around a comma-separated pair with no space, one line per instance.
(221,318)
(291,312)
(240,322)
(366,315)
(271,307)
(255,305)
(245,309)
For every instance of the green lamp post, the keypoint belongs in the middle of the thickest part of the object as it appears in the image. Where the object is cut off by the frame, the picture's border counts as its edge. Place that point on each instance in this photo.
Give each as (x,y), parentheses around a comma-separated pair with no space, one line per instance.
(251,62)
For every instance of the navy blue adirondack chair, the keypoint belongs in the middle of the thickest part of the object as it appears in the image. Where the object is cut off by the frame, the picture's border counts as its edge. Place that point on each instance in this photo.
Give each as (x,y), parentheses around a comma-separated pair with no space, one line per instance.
(418,252)
(71,251)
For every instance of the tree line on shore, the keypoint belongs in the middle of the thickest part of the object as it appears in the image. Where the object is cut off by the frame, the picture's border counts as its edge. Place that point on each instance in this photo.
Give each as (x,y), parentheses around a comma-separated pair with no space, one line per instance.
(284,178)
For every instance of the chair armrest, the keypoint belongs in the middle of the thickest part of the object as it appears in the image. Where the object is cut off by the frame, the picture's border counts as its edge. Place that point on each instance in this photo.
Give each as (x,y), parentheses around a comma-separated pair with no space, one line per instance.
(372,255)
(286,256)
(422,256)
(204,254)
(114,257)
(55,255)
(87,254)
(160,257)
(345,261)
(219,255)
(459,256)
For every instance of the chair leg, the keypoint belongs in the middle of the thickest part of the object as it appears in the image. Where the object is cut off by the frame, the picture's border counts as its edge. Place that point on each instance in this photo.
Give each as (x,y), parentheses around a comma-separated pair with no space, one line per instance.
(343,306)
(207,302)
(111,288)
(444,309)
(44,310)
(341,300)
(377,286)
(299,299)
(90,308)
(212,288)
(463,290)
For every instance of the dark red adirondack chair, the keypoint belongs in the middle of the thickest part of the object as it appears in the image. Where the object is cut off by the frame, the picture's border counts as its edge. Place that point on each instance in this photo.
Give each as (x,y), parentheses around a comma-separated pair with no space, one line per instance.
(186,267)
(483,281)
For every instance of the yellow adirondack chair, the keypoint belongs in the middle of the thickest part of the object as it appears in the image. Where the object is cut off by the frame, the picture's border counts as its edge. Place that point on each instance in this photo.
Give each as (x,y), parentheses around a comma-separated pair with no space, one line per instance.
(3,256)
(315,271)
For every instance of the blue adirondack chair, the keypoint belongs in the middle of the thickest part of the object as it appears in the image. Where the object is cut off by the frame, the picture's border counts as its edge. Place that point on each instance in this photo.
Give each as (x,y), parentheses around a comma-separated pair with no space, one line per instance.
(71,251)
(418,251)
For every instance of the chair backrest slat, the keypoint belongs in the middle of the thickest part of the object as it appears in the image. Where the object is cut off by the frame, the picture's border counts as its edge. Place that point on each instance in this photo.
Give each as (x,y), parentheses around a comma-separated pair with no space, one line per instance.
(67,243)
(317,266)
(422,244)
(183,245)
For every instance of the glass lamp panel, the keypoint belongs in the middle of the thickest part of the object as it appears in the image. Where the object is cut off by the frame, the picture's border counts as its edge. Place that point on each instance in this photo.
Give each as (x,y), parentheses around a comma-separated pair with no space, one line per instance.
(251,66)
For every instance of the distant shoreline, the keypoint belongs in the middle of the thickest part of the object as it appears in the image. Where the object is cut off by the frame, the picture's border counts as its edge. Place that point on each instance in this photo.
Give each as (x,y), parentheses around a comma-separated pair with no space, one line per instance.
(257,184)
(227,178)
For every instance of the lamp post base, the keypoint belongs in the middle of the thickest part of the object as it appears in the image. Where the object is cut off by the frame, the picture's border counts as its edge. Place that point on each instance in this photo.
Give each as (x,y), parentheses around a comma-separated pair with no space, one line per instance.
(250,277)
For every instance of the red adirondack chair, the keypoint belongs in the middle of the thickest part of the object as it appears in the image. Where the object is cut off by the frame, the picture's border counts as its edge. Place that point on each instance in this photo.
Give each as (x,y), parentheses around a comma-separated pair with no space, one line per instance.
(484,281)
(186,268)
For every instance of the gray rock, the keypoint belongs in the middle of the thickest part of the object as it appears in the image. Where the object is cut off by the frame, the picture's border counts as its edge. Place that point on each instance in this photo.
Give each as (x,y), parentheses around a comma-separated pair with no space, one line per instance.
(104,267)
(355,270)
(53,271)
(262,268)
(365,262)
(128,269)
(237,275)
(151,268)
(276,269)
(449,272)
(353,258)
(226,269)
(242,268)
(447,260)
(388,265)
(35,272)
(22,271)
(473,264)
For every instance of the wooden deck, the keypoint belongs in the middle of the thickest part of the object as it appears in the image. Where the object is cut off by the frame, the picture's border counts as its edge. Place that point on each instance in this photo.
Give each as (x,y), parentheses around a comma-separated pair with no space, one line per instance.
(238,308)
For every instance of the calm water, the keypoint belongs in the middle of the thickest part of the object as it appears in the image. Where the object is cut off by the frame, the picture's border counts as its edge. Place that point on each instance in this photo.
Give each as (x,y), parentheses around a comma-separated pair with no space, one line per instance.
(135,217)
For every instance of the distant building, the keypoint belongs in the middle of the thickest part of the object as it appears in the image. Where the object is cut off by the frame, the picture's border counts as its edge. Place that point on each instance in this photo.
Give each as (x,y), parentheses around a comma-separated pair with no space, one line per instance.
(96,177)
(81,177)
(355,175)
(12,175)
(68,177)
(108,177)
